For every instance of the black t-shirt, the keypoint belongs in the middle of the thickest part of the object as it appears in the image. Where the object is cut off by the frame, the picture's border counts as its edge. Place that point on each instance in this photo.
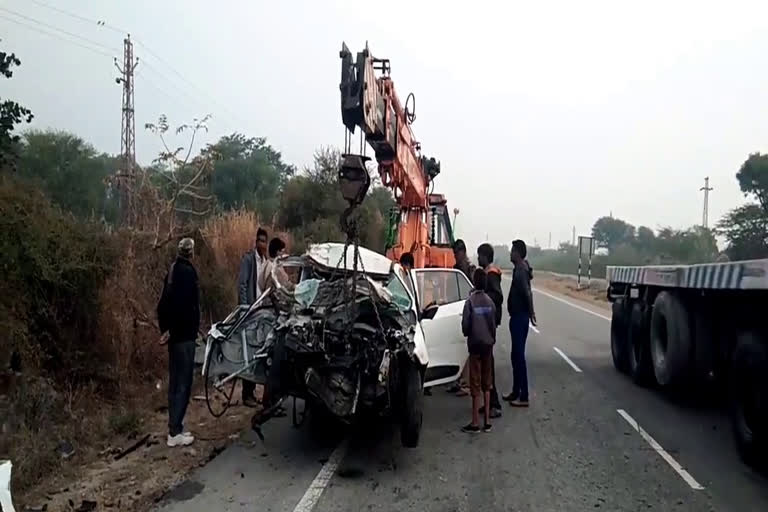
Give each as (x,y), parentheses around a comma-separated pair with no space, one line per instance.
(519,300)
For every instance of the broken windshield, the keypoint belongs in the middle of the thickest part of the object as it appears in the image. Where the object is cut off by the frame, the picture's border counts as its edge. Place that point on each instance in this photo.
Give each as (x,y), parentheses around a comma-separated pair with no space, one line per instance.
(400,295)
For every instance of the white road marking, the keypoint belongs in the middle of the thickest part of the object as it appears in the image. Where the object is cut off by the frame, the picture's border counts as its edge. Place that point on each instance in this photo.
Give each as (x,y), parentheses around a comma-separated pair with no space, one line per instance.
(567,360)
(321,481)
(535,329)
(661,451)
(555,297)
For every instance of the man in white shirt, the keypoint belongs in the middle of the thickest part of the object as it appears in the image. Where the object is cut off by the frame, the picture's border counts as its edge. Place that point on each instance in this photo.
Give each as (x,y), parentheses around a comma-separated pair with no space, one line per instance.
(249,283)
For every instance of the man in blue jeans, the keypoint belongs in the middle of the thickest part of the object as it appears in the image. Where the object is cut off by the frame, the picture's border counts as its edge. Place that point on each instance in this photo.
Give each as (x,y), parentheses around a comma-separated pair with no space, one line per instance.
(178,314)
(520,309)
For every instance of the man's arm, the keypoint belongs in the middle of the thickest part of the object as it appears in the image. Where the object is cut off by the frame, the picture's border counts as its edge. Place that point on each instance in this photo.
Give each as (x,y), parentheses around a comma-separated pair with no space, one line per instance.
(525,287)
(243,278)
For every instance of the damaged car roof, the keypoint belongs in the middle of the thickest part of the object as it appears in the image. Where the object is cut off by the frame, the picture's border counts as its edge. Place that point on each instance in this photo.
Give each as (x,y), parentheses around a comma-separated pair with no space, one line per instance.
(329,255)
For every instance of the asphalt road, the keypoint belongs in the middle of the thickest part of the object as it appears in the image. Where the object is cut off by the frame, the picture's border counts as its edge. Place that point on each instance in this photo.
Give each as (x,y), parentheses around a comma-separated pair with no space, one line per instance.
(571,450)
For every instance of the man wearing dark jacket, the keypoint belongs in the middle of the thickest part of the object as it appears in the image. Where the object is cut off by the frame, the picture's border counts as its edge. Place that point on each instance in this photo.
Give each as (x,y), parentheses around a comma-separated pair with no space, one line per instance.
(178,314)
(466,266)
(478,323)
(521,313)
(485,258)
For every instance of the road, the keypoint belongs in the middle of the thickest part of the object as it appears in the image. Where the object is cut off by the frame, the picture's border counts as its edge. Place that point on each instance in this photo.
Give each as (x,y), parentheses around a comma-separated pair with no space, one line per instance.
(574,449)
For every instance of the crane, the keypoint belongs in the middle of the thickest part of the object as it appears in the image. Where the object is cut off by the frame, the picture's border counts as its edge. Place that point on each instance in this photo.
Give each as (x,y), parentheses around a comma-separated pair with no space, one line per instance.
(369,102)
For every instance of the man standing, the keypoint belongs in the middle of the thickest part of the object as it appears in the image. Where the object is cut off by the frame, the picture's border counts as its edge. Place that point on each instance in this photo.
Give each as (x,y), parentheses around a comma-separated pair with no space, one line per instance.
(462,261)
(178,313)
(485,259)
(249,283)
(521,313)
(461,388)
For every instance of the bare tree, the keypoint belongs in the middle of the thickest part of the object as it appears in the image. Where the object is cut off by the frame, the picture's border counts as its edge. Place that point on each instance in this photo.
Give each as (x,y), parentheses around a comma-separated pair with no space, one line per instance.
(183,193)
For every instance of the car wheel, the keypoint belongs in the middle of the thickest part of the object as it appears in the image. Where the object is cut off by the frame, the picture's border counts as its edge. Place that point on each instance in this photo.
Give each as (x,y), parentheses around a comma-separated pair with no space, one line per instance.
(749,392)
(413,398)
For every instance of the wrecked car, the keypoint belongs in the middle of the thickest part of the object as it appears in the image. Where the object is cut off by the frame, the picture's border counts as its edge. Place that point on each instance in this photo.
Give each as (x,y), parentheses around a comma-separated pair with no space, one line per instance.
(346,339)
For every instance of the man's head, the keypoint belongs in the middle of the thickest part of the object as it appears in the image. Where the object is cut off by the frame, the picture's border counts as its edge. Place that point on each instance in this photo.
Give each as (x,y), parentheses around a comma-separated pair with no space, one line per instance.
(276,248)
(186,248)
(485,255)
(406,260)
(459,249)
(519,251)
(480,279)
(261,241)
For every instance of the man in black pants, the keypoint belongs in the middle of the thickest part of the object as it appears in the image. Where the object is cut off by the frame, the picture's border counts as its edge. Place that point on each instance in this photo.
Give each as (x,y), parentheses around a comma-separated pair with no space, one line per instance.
(493,290)
(178,314)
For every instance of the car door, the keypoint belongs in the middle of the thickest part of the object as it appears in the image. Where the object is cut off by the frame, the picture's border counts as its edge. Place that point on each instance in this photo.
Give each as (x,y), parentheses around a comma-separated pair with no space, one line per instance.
(446,346)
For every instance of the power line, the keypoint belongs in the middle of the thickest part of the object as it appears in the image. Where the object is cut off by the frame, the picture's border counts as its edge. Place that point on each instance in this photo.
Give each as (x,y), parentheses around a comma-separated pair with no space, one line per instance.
(100,23)
(149,50)
(57,36)
(33,20)
(164,78)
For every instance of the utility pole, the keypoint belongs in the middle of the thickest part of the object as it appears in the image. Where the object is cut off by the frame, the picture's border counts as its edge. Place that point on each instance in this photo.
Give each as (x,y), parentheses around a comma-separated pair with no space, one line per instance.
(549,245)
(573,239)
(705,215)
(127,173)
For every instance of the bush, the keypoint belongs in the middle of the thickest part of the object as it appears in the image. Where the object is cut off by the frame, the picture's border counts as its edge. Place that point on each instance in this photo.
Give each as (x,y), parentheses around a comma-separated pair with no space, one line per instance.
(52,270)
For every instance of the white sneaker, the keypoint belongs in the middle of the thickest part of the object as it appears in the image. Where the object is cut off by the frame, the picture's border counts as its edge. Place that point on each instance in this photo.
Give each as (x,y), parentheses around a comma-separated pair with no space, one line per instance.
(183,439)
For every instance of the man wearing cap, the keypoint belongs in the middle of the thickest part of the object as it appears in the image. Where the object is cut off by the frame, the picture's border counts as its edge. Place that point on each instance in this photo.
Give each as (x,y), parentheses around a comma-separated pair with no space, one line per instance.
(178,314)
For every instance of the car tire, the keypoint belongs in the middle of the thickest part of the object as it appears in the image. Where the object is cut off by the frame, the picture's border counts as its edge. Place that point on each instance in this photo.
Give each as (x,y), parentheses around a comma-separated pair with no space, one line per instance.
(413,399)
(619,345)
(749,392)
(639,350)
(671,341)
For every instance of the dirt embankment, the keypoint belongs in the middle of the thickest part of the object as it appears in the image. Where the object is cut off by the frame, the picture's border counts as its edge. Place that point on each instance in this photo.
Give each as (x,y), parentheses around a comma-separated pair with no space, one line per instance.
(132,471)
(594,293)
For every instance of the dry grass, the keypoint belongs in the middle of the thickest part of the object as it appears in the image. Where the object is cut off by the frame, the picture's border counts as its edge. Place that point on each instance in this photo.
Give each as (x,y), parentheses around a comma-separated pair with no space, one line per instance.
(594,293)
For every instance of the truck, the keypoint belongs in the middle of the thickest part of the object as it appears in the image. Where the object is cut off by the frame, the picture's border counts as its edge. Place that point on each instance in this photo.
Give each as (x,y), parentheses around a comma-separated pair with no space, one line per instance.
(686,326)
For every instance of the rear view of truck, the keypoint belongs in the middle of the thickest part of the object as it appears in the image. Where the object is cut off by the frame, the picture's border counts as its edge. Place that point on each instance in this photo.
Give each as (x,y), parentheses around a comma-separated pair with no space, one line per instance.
(693,325)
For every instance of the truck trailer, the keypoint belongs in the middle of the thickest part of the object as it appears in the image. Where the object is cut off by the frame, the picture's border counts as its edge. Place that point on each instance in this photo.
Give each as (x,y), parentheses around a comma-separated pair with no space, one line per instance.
(696,326)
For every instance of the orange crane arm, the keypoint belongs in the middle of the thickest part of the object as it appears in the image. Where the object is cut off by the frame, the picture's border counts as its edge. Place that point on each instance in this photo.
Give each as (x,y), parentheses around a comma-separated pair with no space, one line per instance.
(370,102)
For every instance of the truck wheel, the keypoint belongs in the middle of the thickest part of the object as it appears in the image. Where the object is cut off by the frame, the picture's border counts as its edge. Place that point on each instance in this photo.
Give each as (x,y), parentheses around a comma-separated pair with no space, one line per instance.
(749,392)
(671,346)
(639,353)
(619,345)
(413,395)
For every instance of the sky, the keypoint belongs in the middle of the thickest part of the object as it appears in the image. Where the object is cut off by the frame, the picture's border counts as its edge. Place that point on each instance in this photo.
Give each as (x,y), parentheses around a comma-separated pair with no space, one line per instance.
(544,115)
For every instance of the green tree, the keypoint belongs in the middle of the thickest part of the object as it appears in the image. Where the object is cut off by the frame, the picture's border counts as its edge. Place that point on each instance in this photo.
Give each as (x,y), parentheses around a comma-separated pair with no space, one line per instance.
(248,173)
(610,232)
(746,228)
(11,114)
(645,240)
(70,171)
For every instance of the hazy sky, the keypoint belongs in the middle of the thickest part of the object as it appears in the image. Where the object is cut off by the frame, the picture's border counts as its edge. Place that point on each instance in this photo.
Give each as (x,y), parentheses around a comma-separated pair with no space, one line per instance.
(545,115)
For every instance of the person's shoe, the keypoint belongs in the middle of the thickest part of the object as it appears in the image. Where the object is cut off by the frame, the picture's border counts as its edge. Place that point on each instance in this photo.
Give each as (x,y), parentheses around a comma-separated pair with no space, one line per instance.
(495,413)
(510,397)
(519,403)
(454,388)
(462,392)
(470,429)
(251,402)
(487,427)
(183,439)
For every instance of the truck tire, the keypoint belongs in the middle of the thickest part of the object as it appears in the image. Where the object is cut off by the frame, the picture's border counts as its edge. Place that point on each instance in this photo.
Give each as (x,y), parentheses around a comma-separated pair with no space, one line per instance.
(639,353)
(619,345)
(413,399)
(671,343)
(749,392)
